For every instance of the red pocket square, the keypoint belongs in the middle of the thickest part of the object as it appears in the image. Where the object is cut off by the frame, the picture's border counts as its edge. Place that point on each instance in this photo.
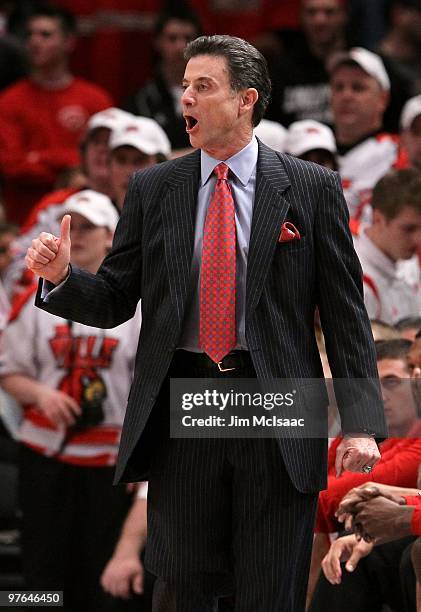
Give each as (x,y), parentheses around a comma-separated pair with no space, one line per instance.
(289,232)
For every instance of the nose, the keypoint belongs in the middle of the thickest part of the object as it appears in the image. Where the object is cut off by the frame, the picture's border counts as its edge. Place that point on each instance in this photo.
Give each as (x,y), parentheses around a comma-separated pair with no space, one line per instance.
(187,98)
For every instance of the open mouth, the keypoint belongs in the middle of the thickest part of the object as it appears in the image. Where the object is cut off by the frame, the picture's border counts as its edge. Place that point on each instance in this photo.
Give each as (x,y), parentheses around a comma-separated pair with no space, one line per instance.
(191,122)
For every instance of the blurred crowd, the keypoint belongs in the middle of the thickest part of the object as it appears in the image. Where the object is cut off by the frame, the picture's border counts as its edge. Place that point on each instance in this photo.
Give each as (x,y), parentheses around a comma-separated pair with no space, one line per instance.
(90,95)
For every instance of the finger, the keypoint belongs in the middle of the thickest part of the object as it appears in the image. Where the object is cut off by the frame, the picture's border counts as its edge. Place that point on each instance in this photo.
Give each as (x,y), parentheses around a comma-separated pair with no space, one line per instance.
(65,229)
(327,569)
(122,588)
(349,522)
(353,560)
(72,405)
(31,264)
(48,240)
(40,258)
(358,529)
(66,416)
(137,583)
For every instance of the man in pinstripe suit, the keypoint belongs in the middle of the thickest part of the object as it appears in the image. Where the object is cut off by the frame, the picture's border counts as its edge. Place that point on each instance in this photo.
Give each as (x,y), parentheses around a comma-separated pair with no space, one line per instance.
(228,516)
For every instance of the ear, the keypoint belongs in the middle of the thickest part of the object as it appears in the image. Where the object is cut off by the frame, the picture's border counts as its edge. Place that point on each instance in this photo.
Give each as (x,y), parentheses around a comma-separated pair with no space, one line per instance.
(248,98)
(379,218)
(110,235)
(384,100)
(71,42)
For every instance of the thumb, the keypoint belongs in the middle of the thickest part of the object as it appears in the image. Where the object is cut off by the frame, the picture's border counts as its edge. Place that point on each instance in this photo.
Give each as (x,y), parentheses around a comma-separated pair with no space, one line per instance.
(65,229)
(353,560)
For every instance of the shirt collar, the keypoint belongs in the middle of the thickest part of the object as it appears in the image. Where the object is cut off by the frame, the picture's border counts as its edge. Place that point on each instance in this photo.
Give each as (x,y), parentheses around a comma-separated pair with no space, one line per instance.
(381,261)
(242,164)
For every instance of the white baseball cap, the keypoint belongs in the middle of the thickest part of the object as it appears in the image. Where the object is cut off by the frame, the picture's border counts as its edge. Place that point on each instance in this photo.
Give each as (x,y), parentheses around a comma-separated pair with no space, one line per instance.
(307,135)
(410,111)
(368,61)
(111,118)
(94,206)
(272,134)
(144,134)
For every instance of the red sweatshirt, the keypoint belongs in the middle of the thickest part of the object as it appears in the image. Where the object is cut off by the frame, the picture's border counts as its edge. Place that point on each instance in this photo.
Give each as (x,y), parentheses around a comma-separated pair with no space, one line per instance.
(40,131)
(398,466)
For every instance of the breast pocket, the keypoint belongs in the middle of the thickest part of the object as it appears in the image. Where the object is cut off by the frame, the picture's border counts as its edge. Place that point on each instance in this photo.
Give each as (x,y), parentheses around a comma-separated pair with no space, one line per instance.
(292,246)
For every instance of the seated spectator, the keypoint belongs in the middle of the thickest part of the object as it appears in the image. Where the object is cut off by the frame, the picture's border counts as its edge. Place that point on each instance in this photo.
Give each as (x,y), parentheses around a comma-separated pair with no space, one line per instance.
(401,454)
(312,141)
(139,144)
(300,79)
(395,234)
(409,327)
(360,94)
(160,98)
(73,382)
(402,43)
(43,117)
(411,134)
(95,162)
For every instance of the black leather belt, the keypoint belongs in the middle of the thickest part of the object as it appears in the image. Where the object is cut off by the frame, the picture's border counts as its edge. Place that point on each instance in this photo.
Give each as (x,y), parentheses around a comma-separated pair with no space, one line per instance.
(235,360)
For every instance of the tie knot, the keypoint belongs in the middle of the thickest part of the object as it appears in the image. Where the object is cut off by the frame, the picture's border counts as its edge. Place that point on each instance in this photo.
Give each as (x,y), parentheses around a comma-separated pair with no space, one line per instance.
(221,171)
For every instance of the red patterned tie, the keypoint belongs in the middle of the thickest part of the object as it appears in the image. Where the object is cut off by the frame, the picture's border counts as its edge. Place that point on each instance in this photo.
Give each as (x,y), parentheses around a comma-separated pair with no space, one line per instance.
(217,335)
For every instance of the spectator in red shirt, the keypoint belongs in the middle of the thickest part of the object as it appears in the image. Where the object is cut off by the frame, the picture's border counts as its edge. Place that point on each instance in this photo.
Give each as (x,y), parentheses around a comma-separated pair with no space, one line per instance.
(43,117)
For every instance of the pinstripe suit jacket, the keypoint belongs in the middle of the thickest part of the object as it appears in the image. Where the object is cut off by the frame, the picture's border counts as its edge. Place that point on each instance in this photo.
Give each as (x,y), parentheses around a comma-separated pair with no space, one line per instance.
(151,258)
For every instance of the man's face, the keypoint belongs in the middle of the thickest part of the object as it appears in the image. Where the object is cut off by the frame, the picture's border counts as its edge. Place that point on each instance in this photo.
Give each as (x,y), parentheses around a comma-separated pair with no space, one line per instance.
(408,21)
(124,161)
(411,139)
(172,41)
(90,243)
(46,41)
(402,234)
(323,21)
(399,405)
(357,99)
(211,108)
(96,155)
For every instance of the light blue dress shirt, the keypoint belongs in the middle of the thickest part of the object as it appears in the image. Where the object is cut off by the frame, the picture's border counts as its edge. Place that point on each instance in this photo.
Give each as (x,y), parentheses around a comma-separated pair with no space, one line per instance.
(242,178)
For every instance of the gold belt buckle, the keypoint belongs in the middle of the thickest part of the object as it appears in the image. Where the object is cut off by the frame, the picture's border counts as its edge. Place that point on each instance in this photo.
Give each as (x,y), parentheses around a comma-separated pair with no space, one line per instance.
(221,369)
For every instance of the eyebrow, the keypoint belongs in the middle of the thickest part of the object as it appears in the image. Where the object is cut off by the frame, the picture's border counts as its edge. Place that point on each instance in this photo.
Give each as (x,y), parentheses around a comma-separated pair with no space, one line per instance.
(199,79)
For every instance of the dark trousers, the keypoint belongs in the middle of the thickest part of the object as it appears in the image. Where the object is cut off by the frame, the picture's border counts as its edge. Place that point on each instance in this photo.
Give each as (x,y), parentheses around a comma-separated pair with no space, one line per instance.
(385,576)
(71,519)
(225,521)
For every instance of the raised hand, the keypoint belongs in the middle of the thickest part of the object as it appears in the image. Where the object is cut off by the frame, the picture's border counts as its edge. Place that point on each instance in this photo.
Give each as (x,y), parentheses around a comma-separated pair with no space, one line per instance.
(49,256)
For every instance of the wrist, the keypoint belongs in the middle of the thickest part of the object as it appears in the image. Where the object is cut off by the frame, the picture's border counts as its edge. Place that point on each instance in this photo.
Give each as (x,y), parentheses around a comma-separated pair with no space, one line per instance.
(59,278)
(403,520)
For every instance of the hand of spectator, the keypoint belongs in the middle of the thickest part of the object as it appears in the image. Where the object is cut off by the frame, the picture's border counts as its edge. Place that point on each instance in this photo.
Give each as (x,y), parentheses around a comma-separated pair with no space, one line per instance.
(382,519)
(348,549)
(123,576)
(354,453)
(352,500)
(49,256)
(57,406)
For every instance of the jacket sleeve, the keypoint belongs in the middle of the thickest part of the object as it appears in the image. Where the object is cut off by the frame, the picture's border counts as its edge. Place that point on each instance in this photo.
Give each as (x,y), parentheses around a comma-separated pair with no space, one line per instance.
(349,341)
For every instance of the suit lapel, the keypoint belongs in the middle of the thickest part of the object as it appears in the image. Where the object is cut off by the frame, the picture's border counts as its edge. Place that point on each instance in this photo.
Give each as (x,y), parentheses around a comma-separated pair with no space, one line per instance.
(269,212)
(178,215)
